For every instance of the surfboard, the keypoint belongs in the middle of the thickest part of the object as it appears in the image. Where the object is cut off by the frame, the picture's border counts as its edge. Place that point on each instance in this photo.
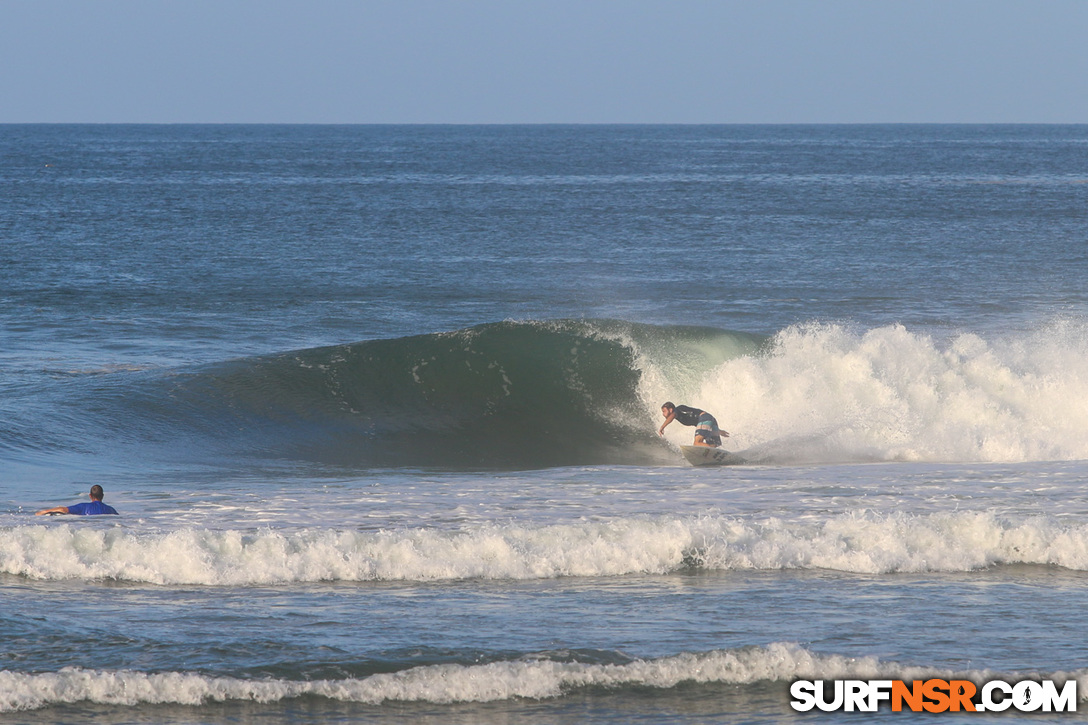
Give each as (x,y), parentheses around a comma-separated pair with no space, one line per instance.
(703,456)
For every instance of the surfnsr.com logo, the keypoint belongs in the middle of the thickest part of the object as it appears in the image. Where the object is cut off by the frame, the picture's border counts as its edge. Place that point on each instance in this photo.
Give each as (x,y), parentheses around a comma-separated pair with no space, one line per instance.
(933,695)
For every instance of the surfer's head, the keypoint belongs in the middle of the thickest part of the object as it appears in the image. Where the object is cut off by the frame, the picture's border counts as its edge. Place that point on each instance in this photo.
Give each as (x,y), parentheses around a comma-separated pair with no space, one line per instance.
(667,408)
(97,493)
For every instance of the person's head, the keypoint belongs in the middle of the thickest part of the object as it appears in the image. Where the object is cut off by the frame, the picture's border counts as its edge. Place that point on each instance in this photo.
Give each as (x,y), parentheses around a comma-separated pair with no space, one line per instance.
(667,409)
(97,493)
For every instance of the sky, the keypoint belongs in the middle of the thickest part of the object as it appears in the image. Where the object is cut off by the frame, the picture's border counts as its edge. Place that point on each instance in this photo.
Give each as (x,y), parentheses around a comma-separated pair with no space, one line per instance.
(544,61)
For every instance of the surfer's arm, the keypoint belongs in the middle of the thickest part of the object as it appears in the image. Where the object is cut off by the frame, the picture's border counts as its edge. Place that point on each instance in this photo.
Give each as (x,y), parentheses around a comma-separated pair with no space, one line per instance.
(54,510)
(669,419)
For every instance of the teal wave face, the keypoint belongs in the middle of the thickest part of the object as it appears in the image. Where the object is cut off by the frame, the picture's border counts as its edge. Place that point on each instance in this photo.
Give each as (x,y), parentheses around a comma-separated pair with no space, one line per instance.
(564,393)
(500,395)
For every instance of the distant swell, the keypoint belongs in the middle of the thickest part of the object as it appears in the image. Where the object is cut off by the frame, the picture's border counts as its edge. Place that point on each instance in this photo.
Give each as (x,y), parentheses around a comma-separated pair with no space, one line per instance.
(859,542)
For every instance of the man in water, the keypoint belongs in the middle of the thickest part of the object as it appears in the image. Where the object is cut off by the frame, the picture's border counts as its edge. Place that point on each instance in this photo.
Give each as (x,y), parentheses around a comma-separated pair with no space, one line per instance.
(84,509)
(707,432)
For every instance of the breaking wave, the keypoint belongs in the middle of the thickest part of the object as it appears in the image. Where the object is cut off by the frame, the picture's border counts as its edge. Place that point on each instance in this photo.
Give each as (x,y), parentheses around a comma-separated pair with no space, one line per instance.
(541,676)
(854,542)
(539,394)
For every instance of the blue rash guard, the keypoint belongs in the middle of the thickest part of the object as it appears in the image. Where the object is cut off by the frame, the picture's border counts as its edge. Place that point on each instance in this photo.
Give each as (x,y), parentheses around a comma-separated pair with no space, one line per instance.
(91,509)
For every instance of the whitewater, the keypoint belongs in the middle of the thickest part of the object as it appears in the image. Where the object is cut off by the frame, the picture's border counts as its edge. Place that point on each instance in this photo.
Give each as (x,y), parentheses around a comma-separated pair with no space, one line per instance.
(379,407)
(856,542)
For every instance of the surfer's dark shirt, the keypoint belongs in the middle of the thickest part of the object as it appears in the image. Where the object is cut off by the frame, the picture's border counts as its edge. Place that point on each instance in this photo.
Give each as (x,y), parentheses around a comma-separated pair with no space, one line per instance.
(687,415)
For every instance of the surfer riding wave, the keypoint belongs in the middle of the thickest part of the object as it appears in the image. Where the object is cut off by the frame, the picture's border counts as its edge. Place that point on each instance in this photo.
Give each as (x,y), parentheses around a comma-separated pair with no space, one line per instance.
(707,432)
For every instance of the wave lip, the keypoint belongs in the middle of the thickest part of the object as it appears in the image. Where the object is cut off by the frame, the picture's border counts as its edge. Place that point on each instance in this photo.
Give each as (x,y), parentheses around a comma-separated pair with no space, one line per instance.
(857,542)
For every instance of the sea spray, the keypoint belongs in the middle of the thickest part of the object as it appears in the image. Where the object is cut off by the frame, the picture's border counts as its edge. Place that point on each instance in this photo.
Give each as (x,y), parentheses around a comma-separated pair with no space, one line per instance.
(828,393)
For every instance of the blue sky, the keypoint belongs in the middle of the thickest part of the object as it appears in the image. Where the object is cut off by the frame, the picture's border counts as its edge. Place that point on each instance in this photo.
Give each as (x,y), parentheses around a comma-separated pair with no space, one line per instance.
(544,61)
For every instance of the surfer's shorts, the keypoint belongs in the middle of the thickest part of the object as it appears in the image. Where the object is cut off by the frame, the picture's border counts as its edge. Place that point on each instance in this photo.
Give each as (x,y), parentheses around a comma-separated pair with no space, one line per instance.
(707,429)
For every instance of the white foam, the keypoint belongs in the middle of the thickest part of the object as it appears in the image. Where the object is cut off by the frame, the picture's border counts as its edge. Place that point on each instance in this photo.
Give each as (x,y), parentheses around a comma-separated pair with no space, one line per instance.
(858,541)
(880,543)
(528,677)
(827,393)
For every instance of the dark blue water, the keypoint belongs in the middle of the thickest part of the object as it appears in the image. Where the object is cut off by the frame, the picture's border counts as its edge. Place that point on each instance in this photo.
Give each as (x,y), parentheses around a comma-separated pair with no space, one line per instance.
(378,407)
(251,239)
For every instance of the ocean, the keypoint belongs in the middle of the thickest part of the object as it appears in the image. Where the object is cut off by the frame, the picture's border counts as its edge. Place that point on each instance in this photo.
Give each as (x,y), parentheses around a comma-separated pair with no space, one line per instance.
(378,406)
